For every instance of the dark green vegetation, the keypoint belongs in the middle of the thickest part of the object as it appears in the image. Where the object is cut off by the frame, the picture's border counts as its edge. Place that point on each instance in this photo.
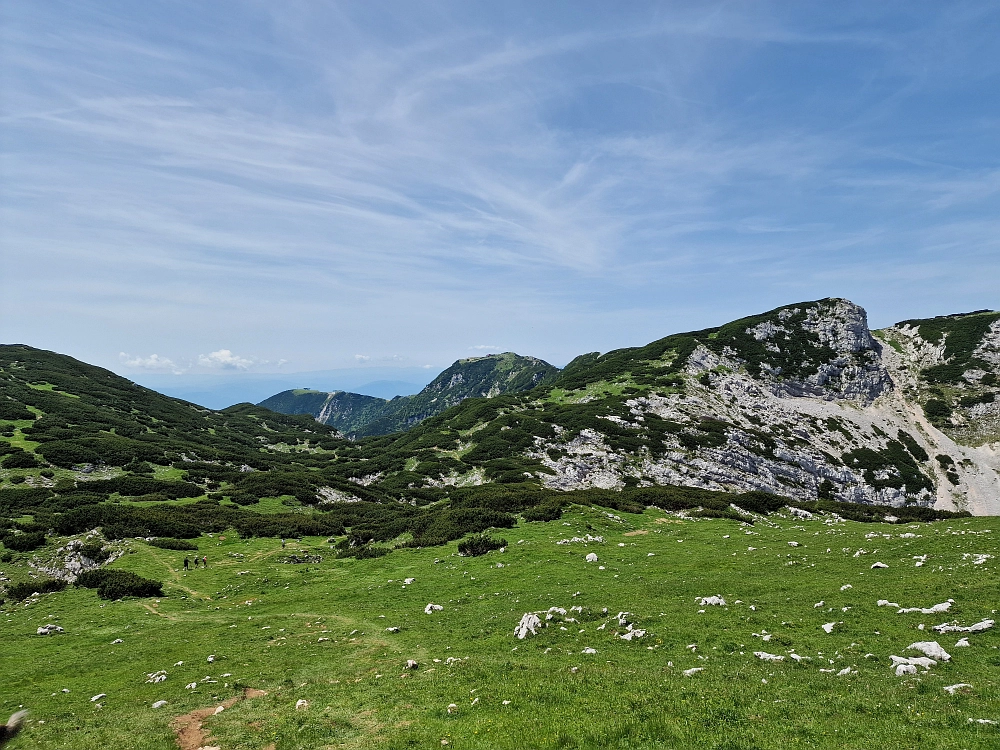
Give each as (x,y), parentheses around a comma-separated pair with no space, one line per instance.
(359,416)
(117,584)
(962,334)
(963,379)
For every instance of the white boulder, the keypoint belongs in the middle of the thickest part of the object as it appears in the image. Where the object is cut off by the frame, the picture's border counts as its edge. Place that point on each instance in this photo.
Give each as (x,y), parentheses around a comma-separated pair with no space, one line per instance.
(932,649)
(764,656)
(979,627)
(952,689)
(528,625)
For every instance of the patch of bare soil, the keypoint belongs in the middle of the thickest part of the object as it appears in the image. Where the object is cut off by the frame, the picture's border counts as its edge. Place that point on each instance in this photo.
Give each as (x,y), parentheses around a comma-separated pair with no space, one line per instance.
(187,727)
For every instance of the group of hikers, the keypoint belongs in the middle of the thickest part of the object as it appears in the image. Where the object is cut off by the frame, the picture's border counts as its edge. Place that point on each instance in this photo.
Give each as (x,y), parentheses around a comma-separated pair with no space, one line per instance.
(204,562)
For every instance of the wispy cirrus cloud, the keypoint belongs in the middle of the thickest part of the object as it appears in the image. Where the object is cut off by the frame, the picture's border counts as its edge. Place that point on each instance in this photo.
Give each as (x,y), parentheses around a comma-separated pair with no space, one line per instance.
(327,179)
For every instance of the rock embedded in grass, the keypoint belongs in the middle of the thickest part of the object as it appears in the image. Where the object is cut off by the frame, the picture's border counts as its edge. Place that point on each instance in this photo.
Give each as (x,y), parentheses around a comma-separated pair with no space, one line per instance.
(529,625)
(977,628)
(931,649)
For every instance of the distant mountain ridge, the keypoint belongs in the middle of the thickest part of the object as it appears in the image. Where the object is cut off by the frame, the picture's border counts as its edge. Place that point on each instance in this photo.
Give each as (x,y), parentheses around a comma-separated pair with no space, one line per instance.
(358,415)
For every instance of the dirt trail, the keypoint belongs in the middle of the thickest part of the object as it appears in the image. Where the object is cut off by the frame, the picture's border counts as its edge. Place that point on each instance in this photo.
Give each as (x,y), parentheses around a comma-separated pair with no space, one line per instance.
(187,727)
(156,612)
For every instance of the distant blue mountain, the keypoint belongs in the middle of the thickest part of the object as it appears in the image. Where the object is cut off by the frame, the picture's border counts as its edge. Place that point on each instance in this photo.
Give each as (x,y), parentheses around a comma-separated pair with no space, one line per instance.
(220,391)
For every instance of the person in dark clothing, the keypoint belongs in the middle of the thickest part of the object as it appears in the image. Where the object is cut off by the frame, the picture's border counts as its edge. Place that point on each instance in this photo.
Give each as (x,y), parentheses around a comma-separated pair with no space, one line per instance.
(204,562)
(187,563)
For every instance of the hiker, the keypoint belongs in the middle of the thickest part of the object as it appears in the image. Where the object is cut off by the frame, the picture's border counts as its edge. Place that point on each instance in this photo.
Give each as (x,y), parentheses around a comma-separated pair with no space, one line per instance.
(187,563)
(196,561)
(204,561)
(282,543)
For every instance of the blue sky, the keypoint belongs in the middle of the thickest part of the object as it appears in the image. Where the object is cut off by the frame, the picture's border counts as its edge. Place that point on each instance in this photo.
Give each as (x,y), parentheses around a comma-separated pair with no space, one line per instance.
(241,187)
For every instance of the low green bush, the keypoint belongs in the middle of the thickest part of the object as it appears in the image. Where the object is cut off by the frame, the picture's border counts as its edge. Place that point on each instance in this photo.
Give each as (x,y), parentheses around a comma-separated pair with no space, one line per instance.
(479,544)
(117,584)
(21,460)
(24,542)
(175,544)
(19,591)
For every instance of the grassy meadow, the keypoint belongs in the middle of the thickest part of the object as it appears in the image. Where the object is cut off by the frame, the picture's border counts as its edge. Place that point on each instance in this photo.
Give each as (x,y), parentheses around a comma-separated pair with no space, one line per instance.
(320,633)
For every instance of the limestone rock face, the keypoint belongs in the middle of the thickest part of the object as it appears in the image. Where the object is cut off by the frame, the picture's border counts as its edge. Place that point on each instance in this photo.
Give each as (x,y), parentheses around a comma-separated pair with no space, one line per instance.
(806,402)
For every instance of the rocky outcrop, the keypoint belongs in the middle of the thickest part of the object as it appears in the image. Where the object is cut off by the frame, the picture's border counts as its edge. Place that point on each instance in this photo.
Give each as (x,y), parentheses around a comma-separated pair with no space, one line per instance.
(806,403)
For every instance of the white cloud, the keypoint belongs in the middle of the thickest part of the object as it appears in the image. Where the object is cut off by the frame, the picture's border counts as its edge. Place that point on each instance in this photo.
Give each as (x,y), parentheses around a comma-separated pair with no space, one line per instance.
(485,347)
(152,362)
(225,360)
(362,357)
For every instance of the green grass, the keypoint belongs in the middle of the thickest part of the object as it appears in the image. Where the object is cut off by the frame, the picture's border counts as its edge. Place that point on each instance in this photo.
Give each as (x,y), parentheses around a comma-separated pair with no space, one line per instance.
(52,388)
(264,627)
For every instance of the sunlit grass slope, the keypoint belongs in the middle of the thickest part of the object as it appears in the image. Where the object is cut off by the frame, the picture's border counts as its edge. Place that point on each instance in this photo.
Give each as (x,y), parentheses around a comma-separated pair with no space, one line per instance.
(319,633)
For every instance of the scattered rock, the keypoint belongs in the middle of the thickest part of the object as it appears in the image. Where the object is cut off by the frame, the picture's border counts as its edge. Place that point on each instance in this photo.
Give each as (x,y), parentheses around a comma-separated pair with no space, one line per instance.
(963,643)
(887,603)
(936,609)
(764,656)
(952,689)
(98,697)
(591,557)
(116,641)
(693,671)
(529,625)
(879,565)
(828,627)
(932,649)
(159,704)
(431,608)
(846,586)
(717,601)
(589,650)
(393,629)
(979,627)
(49,630)
(904,669)
(452,708)
(301,704)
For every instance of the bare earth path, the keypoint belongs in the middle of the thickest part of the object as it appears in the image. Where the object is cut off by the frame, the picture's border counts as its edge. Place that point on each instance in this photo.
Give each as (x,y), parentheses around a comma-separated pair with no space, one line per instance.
(187,727)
